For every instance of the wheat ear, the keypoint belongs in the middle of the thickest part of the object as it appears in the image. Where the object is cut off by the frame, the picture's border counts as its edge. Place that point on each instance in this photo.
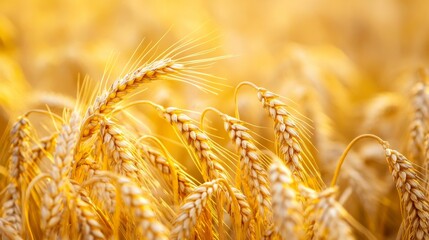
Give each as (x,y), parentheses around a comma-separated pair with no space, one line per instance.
(286,132)
(323,216)
(250,164)
(54,201)
(197,140)
(288,211)
(106,102)
(123,154)
(191,210)
(159,160)
(133,199)
(103,191)
(89,222)
(418,128)
(19,158)
(413,199)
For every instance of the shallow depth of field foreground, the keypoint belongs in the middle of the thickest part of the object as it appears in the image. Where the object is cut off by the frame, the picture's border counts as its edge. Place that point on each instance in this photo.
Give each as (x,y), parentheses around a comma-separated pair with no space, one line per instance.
(214,119)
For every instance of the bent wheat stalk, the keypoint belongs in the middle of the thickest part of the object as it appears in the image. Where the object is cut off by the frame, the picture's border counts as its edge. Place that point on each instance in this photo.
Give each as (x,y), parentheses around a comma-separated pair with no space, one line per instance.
(414,203)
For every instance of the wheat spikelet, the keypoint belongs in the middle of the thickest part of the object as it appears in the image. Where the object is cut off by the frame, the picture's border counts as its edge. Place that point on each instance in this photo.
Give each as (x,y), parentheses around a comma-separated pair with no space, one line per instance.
(106,102)
(413,199)
(191,210)
(8,231)
(53,202)
(288,212)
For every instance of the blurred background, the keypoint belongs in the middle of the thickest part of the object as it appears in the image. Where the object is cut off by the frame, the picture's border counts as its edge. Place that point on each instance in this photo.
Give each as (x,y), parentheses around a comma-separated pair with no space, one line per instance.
(348,66)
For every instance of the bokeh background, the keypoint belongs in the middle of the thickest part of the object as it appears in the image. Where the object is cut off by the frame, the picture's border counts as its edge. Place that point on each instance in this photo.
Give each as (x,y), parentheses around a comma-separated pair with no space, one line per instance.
(348,66)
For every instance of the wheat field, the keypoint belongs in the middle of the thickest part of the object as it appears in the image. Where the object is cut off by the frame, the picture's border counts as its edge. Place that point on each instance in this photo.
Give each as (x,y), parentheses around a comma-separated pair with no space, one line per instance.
(214,119)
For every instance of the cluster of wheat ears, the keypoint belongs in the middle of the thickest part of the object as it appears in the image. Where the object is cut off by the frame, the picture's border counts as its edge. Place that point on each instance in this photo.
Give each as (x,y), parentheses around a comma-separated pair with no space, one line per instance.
(94,178)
